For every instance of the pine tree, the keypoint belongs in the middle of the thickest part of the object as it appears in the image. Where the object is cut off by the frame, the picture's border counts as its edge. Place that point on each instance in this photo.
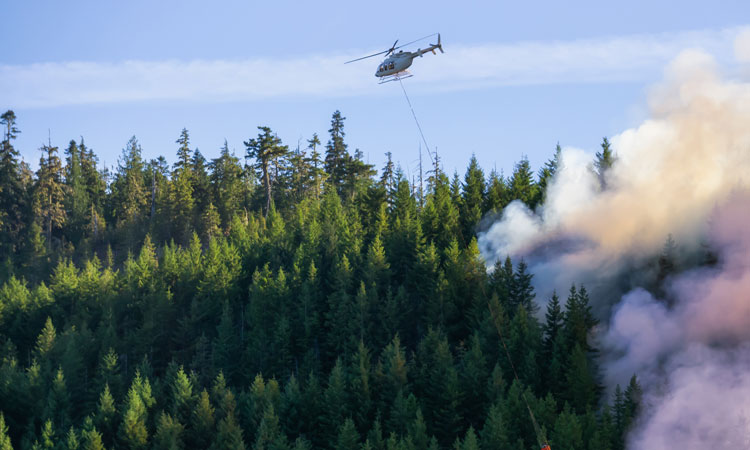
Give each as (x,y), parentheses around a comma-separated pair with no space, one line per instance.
(133,431)
(58,401)
(335,398)
(603,162)
(266,150)
(567,434)
(497,193)
(46,340)
(337,157)
(92,440)
(183,398)
(168,434)
(521,185)
(94,180)
(226,344)
(5,443)
(632,402)
(360,377)
(581,385)
(348,438)
(49,192)
(105,415)
(472,199)
(317,173)
(71,440)
(494,433)
(77,203)
(48,435)
(181,199)
(522,291)
(473,380)
(546,174)
(226,182)
(440,389)
(200,181)
(553,325)
(129,195)
(12,192)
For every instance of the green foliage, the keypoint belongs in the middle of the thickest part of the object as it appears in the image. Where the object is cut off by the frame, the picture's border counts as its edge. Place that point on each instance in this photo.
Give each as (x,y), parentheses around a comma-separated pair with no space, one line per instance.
(603,162)
(266,150)
(292,303)
(4,438)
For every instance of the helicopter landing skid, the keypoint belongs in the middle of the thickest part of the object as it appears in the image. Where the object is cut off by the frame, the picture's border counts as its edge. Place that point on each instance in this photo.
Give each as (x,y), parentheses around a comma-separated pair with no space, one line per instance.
(396,76)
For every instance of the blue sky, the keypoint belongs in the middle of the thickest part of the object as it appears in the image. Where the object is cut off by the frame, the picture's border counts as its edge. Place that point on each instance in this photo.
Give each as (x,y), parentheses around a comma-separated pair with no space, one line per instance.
(516,78)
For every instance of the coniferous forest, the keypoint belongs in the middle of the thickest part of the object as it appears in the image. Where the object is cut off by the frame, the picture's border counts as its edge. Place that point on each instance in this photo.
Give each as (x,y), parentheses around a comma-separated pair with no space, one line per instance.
(282,298)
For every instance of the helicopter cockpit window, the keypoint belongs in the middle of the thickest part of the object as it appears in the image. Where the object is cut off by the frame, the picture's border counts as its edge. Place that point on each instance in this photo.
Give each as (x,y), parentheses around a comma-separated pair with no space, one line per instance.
(390,66)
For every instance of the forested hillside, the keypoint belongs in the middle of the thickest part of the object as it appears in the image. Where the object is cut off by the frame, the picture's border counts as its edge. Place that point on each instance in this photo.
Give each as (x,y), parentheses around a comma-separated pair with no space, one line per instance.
(281,298)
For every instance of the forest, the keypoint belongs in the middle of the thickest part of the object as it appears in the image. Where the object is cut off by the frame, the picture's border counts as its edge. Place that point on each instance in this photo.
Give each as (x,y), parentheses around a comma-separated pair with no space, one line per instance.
(283,298)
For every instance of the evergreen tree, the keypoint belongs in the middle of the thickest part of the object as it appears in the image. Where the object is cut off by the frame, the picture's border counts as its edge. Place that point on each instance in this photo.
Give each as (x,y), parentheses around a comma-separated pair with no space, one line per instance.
(12,192)
(183,398)
(129,195)
(521,291)
(581,384)
(181,201)
(494,434)
(337,157)
(546,174)
(168,434)
(226,182)
(5,443)
(77,203)
(521,185)
(348,438)
(105,415)
(317,173)
(133,431)
(200,181)
(71,440)
(603,162)
(58,401)
(49,192)
(632,402)
(553,324)
(567,434)
(472,199)
(266,150)
(497,193)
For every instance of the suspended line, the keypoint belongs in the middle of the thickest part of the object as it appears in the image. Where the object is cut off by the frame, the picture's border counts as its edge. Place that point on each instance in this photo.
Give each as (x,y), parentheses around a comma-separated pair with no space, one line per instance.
(415,118)
(541,439)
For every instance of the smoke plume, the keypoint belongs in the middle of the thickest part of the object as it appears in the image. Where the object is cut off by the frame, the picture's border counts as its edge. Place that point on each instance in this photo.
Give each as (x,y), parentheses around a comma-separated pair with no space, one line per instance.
(683,173)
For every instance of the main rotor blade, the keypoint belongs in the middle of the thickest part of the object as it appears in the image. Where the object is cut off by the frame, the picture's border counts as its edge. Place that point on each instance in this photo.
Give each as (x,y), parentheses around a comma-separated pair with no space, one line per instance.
(417,40)
(369,56)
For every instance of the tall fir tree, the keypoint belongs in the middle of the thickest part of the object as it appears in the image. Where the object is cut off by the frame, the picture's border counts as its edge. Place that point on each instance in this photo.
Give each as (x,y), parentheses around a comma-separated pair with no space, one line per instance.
(337,157)
(49,192)
(12,191)
(181,200)
(266,149)
(603,162)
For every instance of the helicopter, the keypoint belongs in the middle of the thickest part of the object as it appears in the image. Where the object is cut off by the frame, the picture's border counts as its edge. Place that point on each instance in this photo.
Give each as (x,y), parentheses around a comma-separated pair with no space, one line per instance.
(395,64)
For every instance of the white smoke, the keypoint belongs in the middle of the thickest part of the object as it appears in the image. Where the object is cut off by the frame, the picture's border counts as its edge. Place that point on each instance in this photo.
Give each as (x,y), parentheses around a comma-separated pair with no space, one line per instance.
(685,172)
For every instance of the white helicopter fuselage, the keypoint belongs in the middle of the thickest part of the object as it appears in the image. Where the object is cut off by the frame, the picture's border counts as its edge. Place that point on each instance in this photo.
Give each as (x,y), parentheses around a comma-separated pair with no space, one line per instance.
(400,61)
(397,62)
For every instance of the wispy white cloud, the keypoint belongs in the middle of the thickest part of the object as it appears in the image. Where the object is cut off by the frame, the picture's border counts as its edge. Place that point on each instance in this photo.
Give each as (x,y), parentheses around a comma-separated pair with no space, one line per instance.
(612,59)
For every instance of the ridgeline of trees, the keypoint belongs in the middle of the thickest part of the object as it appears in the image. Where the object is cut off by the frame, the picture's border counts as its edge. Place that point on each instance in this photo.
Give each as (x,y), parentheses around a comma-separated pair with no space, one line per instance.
(284,299)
